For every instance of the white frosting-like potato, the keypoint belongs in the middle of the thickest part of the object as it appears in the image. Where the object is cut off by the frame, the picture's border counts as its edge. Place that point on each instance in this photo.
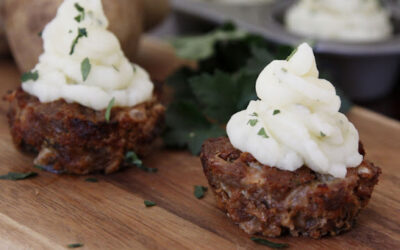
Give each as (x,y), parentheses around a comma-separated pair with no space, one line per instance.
(341,20)
(111,74)
(296,122)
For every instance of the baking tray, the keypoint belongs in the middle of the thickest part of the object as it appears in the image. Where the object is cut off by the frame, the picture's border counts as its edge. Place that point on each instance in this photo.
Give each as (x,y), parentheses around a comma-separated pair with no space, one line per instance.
(365,71)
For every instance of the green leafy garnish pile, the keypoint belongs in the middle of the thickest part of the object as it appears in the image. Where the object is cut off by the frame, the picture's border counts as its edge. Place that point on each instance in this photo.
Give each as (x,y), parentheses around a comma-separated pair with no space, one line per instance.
(205,99)
(228,64)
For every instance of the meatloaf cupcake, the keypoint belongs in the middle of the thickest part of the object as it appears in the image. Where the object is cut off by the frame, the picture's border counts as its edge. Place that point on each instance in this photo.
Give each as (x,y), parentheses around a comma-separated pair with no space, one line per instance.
(84,105)
(292,163)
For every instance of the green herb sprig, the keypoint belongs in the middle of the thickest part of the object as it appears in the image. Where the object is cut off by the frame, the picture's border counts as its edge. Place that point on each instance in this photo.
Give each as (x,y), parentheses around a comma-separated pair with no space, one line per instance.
(262,133)
(12,176)
(82,32)
(85,68)
(32,75)
(75,245)
(107,115)
(81,11)
(133,159)
(199,191)
(269,243)
(149,203)
(252,122)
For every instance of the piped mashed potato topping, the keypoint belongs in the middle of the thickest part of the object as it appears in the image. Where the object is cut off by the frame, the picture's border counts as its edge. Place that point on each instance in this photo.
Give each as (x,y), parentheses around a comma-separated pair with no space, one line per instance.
(79,31)
(342,20)
(296,122)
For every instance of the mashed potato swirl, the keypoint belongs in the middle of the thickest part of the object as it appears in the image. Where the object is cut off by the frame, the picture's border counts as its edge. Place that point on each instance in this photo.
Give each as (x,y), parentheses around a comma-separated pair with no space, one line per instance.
(342,20)
(296,122)
(111,74)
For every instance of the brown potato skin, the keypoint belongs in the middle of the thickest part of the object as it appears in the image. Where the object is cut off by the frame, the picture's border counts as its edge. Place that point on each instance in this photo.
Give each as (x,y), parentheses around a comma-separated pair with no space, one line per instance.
(71,138)
(25,19)
(272,202)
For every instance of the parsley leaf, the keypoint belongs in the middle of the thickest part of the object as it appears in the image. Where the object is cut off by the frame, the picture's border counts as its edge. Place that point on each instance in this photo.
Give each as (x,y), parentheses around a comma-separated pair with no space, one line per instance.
(322,134)
(75,245)
(262,133)
(81,33)
(199,191)
(85,68)
(107,115)
(149,203)
(188,127)
(203,46)
(252,122)
(276,111)
(269,243)
(17,176)
(32,75)
(132,158)
(81,11)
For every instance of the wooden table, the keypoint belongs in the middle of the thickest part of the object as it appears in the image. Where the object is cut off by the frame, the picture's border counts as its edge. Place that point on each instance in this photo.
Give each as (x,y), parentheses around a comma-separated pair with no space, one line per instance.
(50,211)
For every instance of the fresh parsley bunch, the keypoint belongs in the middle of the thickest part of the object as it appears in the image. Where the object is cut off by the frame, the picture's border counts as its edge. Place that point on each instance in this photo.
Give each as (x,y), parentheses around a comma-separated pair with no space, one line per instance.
(229,62)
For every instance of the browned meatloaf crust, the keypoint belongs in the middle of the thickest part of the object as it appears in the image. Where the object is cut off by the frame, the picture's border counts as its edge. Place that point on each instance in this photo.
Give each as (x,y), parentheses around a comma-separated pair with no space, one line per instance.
(71,138)
(272,202)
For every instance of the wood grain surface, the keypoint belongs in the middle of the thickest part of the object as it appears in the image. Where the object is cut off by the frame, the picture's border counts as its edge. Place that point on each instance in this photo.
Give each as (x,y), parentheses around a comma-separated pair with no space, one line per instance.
(51,211)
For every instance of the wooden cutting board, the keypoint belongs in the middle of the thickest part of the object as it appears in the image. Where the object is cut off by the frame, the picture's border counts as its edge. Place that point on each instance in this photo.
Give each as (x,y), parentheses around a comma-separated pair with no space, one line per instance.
(51,211)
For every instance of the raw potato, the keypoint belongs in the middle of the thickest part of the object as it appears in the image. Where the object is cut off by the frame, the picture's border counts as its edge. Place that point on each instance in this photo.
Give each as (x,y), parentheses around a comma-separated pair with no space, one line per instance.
(25,19)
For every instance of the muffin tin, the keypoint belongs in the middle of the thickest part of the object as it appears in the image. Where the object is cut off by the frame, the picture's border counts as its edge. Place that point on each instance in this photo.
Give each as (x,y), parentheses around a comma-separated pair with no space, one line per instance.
(365,71)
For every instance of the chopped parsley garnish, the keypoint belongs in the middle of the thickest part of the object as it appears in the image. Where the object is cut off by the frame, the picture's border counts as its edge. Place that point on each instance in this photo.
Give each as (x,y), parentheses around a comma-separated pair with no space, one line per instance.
(276,111)
(322,134)
(134,68)
(262,133)
(252,122)
(284,70)
(91,179)
(269,243)
(149,203)
(115,67)
(199,191)
(30,76)
(109,107)
(254,114)
(81,11)
(75,245)
(132,158)
(17,176)
(40,33)
(81,33)
(85,68)
(291,54)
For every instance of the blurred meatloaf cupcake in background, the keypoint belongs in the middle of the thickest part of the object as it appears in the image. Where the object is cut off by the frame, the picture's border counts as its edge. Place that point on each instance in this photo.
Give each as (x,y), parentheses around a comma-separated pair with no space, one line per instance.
(84,105)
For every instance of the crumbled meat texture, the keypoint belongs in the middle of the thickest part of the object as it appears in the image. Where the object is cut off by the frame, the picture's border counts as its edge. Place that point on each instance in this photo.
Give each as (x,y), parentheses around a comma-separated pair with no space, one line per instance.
(71,138)
(272,202)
